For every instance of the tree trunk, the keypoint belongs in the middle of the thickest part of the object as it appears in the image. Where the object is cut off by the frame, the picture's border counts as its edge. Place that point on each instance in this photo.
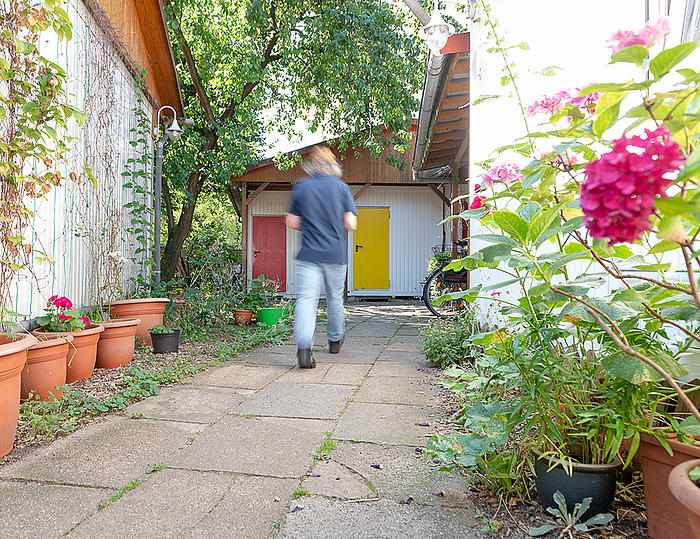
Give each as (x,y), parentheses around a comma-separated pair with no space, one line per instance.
(179,233)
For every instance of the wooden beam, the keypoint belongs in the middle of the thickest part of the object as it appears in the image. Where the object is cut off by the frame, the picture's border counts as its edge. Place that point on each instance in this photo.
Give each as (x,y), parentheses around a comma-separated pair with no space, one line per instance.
(459,123)
(454,207)
(362,190)
(456,134)
(454,102)
(440,194)
(259,190)
(460,68)
(462,149)
(453,114)
(244,233)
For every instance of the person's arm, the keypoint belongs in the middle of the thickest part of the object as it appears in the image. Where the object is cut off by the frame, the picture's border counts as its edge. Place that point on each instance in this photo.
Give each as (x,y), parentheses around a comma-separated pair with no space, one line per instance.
(294,221)
(350,220)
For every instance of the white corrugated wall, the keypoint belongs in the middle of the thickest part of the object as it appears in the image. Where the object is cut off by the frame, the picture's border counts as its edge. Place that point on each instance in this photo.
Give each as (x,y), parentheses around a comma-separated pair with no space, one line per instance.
(100,84)
(415,212)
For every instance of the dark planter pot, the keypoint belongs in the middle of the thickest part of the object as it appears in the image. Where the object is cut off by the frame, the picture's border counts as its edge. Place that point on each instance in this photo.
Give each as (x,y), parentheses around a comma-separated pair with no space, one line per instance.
(595,481)
(687,493)
(666,518)
(166,343)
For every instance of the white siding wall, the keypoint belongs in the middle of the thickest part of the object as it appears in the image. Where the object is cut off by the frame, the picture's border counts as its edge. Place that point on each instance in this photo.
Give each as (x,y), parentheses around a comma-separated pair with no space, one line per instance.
(100,84)
(413,230)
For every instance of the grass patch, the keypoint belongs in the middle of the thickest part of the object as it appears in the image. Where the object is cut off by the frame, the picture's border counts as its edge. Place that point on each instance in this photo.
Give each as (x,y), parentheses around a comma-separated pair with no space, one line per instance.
(119,493)
(300,493)
(328,444)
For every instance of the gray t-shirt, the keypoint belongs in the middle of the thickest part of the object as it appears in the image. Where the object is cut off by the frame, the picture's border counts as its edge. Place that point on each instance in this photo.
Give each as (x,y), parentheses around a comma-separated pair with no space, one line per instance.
(321,202)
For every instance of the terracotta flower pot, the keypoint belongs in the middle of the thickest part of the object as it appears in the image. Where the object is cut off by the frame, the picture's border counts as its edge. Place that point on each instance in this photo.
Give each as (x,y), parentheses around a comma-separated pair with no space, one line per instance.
(666,519)
(116,345)
(243,316)
(45,371)
(148,310)
(687,493)
(80,361)
(13,356)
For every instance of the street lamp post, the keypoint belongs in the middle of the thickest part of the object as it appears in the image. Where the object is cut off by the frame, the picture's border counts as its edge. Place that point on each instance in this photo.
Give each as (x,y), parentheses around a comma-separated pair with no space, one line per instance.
(172,132)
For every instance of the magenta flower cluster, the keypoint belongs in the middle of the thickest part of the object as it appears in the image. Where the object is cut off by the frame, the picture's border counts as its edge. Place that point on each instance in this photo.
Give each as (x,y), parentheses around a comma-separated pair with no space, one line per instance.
(506,173)
(61,317)
(551,104)
(648,35)
(620,188)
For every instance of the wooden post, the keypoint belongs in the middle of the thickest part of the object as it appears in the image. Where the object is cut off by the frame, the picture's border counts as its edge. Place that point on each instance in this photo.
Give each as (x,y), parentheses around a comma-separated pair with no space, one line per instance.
(244,232)
(454,207)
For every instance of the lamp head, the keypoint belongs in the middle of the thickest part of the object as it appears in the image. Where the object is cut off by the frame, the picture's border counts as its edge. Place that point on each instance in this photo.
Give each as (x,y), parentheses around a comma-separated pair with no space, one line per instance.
(174,131)
(436,32)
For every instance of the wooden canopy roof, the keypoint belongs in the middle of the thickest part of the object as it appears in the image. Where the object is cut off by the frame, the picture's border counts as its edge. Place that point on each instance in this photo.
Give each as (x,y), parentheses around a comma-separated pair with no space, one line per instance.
(442,141)
(140,28)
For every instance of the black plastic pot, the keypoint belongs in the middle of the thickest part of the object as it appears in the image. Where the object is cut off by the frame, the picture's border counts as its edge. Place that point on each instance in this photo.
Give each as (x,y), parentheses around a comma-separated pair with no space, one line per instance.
(595,481)
(165,343)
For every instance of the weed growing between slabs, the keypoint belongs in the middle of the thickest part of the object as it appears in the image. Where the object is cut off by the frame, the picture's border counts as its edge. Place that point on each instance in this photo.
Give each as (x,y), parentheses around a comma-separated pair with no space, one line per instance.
(115,389)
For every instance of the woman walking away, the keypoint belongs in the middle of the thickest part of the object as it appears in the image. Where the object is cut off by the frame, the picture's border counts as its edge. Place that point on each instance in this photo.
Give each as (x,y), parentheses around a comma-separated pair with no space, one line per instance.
(323,209)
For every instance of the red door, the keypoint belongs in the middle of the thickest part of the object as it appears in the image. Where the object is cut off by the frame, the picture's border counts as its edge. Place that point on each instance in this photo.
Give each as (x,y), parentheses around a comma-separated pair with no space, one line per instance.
(270,249)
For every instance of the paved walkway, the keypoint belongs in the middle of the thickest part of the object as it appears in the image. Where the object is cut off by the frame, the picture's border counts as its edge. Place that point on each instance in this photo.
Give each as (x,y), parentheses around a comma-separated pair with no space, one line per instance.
(238,451)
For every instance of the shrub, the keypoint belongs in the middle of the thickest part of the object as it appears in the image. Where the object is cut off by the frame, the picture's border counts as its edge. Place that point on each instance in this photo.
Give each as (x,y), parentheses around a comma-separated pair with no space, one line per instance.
(446,342)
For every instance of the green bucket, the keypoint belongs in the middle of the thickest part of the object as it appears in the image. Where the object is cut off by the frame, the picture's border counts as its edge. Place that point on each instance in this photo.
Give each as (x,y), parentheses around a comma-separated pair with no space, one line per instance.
(269,316)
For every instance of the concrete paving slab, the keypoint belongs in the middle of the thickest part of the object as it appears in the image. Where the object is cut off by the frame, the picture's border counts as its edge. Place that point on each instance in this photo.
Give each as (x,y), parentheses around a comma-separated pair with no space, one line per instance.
(346,374)
(288,399)
(396,368)
(321,426)
(411,347)
(395,390)
(249,509)
(412,358)
(194,404)
(106,454)
(384,519)
(239,376)
(332,479)
(404,473)
(242,445)
(364,357)
(387,423)
(35,510)
(307,376)
(167,504)
(279,349)
(263,357)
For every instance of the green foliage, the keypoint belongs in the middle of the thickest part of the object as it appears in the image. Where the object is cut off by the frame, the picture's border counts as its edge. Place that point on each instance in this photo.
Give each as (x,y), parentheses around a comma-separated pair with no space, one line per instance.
(328,444)
(570,521)
(35,115)
(446,342)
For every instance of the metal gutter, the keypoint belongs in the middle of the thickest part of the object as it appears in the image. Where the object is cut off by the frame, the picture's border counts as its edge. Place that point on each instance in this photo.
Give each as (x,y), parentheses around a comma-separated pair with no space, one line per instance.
(436,73)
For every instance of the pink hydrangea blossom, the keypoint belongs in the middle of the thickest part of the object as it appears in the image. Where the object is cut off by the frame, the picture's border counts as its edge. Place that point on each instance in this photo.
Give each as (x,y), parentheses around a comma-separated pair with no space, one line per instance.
(64,316)
(647,36)
(554,103)
(620,188)
(506,173)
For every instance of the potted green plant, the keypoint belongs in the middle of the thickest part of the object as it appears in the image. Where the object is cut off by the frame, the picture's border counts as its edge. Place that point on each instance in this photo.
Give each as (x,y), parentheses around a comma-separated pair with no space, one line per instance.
(271,309)
(165,339)
(61,319)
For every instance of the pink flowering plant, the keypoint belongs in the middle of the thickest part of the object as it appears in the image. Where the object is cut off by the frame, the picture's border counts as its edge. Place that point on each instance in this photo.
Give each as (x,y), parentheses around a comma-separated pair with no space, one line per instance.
(60,316)
(612,204)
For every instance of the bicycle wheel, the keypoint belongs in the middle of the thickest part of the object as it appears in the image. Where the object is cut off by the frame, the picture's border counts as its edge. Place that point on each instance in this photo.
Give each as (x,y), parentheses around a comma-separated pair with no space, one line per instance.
(436,286)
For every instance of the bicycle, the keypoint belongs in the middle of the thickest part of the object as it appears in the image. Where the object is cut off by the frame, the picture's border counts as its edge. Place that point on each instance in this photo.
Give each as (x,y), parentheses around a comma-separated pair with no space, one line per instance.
(441,282)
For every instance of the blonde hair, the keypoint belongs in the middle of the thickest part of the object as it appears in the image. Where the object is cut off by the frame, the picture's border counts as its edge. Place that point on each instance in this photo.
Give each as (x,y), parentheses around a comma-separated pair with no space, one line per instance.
(322,161)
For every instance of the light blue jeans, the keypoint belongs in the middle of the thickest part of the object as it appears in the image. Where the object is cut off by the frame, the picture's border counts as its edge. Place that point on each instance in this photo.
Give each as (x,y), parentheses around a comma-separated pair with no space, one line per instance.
(310,277)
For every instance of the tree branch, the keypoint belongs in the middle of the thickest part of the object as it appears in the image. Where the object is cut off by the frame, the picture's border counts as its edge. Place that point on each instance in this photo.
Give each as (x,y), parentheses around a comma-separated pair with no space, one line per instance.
(691,275)
(624,346)
(204,100)
(267,59)
(590,307)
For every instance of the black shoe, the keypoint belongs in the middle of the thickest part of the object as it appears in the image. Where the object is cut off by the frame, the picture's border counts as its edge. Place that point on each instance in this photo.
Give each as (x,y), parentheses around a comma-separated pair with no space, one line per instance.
(305,360)
(334,346)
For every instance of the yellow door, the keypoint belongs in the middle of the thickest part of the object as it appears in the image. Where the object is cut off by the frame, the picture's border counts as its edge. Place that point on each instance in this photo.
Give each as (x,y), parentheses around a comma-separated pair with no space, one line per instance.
(370,262)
